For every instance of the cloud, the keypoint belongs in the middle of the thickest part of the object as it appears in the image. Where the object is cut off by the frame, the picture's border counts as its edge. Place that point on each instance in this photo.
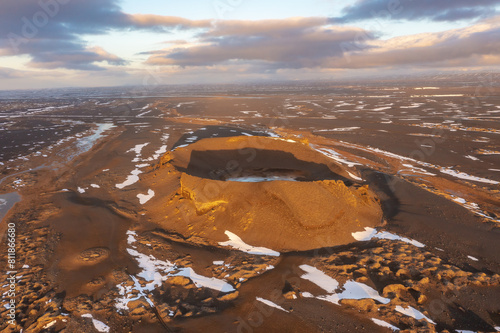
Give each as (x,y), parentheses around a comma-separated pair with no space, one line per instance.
(50,31)
(162,22)
(271,46)
(476,45)
(287,43)
(84,59)
(434,10)
(9,73)
(271,28)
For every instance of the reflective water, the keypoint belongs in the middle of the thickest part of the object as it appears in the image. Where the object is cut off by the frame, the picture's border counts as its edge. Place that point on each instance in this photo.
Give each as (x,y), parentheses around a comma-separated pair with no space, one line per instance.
(7,201)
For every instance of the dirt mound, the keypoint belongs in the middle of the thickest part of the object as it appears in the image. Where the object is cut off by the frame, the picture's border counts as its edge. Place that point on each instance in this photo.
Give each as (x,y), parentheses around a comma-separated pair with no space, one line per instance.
(244,185)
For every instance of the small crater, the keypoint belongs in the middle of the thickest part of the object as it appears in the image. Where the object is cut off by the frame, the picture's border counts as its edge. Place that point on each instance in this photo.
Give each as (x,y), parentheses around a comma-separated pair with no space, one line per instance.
(93,255)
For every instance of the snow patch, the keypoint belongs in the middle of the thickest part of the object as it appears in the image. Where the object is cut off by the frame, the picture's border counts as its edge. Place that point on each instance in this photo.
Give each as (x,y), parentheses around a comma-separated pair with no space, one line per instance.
(339,129)
(371,233)
(138,148)
(52,323)
(131,239)
(271,304)
(131,179)
(236,242)
(414,313)
(319,278)
(203,281)
(463,175)
(330,153)
(352,289)
(143,198)
(384,324)
(99,325)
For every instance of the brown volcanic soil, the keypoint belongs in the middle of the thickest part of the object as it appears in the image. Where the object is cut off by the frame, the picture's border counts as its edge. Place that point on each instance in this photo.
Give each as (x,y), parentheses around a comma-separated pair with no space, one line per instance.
(322,209)
(74,250)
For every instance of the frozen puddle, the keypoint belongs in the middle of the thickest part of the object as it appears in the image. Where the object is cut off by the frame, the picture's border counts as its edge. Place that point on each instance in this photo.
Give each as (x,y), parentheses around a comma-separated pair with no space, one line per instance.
(265,175)
(258,179)
(7,201)
(236,242)
(88,142)
(352,289)
(371,233)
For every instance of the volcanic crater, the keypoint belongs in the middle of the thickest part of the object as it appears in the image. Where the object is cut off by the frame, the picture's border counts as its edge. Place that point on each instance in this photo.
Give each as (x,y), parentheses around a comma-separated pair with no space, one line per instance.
(273,192)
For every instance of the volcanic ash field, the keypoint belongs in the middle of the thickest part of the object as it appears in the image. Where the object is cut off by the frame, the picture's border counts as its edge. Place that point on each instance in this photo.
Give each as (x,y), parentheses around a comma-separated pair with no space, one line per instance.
(187,219)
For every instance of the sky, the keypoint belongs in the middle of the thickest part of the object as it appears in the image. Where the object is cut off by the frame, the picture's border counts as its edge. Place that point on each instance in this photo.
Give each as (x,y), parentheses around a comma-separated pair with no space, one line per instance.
(88,43)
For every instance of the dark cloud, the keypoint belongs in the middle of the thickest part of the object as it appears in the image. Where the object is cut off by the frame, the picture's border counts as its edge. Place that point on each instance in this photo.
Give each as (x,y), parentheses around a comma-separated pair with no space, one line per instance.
(434,10)
(50,30)
(71,59)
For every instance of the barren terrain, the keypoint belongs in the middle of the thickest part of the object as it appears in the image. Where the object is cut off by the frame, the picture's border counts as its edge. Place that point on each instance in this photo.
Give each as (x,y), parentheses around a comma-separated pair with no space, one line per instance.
(321,209)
